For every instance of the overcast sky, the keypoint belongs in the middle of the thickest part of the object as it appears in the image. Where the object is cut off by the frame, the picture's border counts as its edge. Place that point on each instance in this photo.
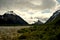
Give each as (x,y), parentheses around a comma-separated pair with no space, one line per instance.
(30,10)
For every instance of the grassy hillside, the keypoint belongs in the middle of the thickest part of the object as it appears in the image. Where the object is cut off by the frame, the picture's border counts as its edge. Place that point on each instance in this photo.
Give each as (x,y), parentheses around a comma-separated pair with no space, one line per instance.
(49,31)
(44,32)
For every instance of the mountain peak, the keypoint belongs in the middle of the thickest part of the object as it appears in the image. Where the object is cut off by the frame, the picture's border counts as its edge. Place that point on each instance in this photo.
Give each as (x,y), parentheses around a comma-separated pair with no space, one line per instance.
(10,18)
(10,12)
(38,22)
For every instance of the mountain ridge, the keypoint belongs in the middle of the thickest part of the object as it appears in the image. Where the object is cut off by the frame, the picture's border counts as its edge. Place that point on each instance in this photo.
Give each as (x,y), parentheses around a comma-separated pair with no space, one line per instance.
(54,17)
(10,18)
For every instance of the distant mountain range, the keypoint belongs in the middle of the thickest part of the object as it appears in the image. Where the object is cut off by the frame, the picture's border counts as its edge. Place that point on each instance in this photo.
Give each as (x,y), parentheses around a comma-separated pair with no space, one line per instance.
(10,18)
(37,23)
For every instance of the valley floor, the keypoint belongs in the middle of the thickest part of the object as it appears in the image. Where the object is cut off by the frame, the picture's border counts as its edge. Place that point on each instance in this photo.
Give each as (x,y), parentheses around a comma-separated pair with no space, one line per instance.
(9,32)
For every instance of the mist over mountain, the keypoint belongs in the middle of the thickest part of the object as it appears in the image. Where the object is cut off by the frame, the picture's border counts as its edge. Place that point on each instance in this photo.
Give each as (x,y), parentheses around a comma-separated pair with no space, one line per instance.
(10,18)
(38,23)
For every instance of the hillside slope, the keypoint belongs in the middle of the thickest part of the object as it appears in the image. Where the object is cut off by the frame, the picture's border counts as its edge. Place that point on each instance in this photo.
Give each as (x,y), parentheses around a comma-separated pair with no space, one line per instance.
(49,31)
(55,18)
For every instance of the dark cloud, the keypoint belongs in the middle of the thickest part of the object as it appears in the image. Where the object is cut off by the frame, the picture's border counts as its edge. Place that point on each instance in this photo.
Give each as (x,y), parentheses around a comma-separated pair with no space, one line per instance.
(17,4)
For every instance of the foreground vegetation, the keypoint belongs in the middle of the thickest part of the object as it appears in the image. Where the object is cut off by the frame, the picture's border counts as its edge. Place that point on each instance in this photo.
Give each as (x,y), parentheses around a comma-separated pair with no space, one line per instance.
(43,32)
(48,31)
